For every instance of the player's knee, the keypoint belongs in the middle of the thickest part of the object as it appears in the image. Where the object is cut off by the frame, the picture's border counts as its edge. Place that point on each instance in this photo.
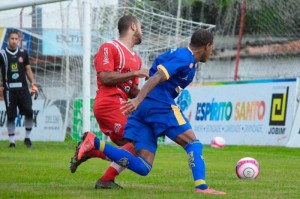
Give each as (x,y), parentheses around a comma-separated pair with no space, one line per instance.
(29,115)
(11,120)
(195,145)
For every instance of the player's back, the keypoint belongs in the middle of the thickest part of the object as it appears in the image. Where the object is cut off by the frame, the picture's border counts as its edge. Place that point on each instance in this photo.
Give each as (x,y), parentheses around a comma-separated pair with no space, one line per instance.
(179,66)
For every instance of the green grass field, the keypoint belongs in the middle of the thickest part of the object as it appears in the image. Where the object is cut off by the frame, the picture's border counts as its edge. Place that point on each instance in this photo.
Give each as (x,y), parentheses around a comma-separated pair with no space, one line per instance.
(43,172)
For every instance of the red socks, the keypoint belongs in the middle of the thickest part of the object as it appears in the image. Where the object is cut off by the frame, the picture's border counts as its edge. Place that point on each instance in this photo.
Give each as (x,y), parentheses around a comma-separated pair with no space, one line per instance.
(96,154)
(115,169)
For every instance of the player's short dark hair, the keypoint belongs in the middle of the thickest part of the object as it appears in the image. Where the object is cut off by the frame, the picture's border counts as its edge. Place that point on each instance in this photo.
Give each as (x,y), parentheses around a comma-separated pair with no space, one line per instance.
(125,22)
(201,37)
(13,32)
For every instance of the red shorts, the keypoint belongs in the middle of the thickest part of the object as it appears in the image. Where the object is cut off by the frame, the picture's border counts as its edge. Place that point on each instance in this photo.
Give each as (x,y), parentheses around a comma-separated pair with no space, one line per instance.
(109,116)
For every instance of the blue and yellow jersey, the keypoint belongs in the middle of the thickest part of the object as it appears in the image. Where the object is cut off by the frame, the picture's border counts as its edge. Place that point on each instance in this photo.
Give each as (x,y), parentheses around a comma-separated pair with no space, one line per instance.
(179,66)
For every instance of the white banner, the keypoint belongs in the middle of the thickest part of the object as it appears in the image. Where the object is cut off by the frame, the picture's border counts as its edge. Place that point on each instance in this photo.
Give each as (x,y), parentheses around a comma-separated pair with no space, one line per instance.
(49,116)
(256,112)
(294,140)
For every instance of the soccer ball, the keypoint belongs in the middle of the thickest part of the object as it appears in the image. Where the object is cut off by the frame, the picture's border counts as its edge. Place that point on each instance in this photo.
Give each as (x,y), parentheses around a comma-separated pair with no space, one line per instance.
(247,168)
(218,142)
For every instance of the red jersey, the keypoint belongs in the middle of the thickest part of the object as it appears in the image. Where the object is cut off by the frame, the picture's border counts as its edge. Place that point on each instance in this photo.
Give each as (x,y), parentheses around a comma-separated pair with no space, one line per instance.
(115,56)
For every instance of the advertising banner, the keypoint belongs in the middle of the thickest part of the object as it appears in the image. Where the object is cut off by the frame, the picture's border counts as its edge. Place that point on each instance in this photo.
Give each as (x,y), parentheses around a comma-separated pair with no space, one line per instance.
(2,36)
(58,43)
(258,112)
(294,140)
(49,121)
(26,39)
(77,121)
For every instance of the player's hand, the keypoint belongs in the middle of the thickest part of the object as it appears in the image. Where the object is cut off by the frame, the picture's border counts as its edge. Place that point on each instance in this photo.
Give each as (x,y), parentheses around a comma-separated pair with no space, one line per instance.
(129,106)
(143,73)
(34,91)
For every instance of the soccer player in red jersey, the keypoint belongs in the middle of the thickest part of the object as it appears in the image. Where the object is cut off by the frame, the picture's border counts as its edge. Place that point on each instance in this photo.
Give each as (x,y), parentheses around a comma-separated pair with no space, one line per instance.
(118,70)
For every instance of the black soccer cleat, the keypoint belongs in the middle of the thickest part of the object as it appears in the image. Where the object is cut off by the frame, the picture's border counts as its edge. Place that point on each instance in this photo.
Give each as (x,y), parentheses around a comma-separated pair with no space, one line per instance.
(107,185)
(27,142)
(12,145)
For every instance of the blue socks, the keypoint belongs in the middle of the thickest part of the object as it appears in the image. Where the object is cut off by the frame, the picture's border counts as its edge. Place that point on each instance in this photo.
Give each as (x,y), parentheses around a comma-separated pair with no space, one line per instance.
(196,163)
(123,158)
(142,167)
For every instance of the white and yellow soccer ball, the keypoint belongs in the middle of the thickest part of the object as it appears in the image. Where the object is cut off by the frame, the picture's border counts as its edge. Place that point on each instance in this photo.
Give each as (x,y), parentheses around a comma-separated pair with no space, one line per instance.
(247,168)
(218,142)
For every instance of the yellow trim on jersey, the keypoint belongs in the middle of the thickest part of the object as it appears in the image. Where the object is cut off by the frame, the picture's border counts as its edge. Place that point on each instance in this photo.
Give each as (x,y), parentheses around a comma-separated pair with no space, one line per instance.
(178,115)
(161,67)
(199,182)
(102,146)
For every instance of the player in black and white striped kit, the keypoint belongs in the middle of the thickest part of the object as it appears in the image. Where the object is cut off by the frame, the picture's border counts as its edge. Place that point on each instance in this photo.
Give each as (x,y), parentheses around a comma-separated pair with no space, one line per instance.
(15,68)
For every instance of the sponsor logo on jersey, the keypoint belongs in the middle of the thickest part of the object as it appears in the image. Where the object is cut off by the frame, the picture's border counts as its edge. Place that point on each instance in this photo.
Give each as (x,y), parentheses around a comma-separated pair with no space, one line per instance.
(14,66)
(21,59)
(105,59)
(117,127)
(15,76)
(127,89)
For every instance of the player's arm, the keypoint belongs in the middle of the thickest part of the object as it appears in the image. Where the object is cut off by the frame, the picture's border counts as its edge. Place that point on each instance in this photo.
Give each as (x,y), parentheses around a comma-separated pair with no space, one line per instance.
(29,74)
(111,78)
(130,106)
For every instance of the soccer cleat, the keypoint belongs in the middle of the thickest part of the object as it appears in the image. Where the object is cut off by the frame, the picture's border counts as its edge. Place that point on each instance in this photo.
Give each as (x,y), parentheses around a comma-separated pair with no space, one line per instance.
(107,185)
(74,163)
(12,145)
(86,145)
(27,142)
(209,191)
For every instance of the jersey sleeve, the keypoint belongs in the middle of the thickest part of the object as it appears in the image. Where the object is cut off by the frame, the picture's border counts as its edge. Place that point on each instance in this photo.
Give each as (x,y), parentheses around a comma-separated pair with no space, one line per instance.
(173,65)
(104,59)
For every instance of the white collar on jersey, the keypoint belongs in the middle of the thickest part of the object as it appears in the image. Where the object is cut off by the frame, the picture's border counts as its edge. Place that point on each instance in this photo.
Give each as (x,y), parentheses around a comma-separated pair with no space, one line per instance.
(190,50)
(12,53)
(133,53)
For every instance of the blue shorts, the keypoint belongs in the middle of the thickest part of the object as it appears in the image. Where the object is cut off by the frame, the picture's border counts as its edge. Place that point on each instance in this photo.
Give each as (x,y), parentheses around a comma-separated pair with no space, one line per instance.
(153,119)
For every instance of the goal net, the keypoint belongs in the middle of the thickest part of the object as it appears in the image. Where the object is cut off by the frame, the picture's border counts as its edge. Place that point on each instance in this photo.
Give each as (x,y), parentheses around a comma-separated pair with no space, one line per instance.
(52,36)
(270,44)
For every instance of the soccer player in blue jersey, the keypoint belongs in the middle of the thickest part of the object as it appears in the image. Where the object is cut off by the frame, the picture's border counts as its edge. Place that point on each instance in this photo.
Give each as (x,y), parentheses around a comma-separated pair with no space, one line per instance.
(155,113)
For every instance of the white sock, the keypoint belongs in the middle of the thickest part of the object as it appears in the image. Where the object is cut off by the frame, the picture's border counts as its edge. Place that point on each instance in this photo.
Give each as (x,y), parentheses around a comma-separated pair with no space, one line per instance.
(11,138)
(27,133)
(117,167)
